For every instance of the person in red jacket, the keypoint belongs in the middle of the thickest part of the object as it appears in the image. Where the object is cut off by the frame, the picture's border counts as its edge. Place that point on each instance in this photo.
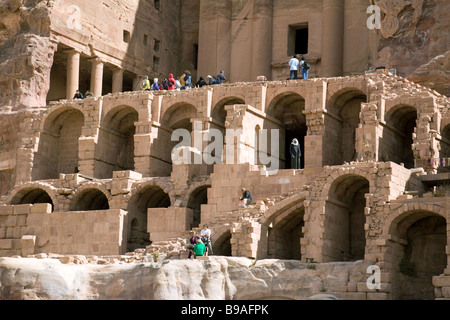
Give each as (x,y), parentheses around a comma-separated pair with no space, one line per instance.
(171,82)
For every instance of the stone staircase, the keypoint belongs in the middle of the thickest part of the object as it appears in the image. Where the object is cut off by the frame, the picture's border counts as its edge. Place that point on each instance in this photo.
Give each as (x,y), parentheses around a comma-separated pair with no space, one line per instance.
(176,247)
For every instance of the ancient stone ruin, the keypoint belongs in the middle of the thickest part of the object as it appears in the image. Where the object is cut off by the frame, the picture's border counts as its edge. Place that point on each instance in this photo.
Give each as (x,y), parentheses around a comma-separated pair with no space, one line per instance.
(119,179)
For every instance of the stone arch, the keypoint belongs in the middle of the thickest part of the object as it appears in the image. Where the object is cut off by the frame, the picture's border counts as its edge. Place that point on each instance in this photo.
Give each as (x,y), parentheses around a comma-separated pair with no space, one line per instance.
(218,112)
(176,117)
(282,228)
(195,199)
(397,137)
(179,115)
(115,148)
(222,243)
(287,107)
(342,119)
(34,193)
(340,173)
(90,196)
(417,252)
(146,195)
(344,219)
(58,143)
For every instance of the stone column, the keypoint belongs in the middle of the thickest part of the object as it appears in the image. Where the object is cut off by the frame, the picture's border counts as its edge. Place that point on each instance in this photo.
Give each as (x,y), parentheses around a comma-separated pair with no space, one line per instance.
(73,72)
(332,38)
(136,82)
(97,77)
(262,39)
(214,51)
(117,80)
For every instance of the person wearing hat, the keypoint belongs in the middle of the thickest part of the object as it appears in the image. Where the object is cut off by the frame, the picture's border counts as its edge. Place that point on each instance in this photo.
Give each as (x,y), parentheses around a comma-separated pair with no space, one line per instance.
(296,153)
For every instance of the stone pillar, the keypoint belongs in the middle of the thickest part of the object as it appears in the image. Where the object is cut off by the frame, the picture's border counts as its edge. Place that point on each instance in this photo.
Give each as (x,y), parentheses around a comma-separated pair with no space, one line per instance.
(314,151)
(262,39)
(117,80)
(332,38)
(136,82)
(97,77)
(73,72)
(214,51)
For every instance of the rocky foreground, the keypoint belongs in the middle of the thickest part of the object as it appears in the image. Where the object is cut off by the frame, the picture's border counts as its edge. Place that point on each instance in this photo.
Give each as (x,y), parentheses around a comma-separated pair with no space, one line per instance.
(217,277)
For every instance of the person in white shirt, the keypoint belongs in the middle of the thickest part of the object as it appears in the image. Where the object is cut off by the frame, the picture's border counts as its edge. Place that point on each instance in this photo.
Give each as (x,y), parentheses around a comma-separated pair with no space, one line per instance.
(205,235)
(294,63)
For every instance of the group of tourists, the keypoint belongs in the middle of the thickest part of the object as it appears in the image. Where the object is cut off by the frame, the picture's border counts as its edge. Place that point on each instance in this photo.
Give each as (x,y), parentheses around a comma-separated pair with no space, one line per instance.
(200,245)
(184,82)
(79,95)
(295,65)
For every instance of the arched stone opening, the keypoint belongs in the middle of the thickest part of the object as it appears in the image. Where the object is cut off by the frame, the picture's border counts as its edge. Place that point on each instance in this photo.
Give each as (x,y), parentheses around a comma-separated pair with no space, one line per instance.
(198,197)
(148,197)
(218,116)
(32,196)
(284,234)
(341,123)
(397,138)
(58,144)
(175,118)
(222,245)
(115,149)
(344,235)
(417,252)
(90,199)
(288,108)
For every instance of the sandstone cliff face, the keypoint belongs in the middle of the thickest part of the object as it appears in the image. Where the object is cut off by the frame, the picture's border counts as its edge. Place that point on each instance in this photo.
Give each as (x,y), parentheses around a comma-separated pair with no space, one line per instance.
(434,74)
(26,53)
(412,34)
(219,278)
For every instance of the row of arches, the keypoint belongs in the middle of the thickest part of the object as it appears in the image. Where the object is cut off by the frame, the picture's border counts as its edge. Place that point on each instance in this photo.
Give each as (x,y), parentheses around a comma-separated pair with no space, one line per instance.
(58,150)
(92,198)
(416,248)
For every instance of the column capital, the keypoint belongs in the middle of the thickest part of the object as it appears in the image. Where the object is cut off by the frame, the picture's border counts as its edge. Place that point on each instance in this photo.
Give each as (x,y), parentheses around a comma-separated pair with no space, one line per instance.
(96,60)
(71,50)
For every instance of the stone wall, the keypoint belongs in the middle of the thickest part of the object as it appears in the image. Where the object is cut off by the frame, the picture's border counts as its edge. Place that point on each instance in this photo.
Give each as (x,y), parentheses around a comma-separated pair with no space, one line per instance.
(32,229)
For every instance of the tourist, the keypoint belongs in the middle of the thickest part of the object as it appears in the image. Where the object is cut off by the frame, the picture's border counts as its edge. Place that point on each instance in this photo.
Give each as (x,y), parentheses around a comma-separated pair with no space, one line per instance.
(211,80)
(201,82)
(294,63)
(181,78)
(220,77)
(145,84)
(199,249)
(205,235)
(155,85)
(88,94)
(178,85)
(296,153)
(188,80)
(192,242)
(305,68)
(78,95)
(171,82)
(245,199)
(165,84)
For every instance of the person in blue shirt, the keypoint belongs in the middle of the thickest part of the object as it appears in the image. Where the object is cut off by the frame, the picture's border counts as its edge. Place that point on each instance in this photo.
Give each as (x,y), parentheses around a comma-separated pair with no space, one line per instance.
(155,85)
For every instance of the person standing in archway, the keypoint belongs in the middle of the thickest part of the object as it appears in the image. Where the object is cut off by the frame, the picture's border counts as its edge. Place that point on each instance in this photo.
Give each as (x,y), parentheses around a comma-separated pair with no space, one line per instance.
(296,153)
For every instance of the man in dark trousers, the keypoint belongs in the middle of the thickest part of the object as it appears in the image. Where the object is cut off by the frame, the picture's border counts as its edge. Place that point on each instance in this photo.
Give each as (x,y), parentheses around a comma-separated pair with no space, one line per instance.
(245,199)
(296,153)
